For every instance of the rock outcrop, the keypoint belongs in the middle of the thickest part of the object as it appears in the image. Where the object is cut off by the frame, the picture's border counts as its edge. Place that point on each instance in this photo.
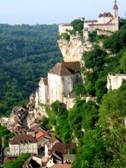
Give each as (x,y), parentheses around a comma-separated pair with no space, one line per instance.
(72,50)
(17,119)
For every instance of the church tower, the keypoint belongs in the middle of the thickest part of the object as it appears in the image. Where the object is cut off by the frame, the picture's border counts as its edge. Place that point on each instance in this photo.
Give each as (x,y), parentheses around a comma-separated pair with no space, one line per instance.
(115,9)
(116,15)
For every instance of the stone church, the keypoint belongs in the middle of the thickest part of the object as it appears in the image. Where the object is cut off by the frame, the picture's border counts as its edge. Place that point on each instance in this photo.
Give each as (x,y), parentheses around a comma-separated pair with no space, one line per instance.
(59,84)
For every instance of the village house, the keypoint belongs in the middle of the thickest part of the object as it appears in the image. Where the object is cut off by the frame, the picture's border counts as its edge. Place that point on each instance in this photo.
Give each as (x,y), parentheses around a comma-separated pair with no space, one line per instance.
(22,143)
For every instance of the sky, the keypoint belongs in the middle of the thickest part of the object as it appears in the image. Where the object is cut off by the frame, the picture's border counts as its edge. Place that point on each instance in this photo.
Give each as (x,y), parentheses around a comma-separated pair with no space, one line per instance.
(54,11)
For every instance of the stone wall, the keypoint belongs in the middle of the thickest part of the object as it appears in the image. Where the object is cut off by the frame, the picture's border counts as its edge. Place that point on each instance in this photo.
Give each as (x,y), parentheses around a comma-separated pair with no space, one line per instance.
(43,92)
(60,86)
(115,81)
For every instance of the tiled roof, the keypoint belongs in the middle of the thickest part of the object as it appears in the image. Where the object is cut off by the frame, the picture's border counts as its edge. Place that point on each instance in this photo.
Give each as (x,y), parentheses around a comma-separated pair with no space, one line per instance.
(23,138)
(66,68)
(60,69)
(62,148)
(61,166)
(40,134)
(106,15)
(72,66)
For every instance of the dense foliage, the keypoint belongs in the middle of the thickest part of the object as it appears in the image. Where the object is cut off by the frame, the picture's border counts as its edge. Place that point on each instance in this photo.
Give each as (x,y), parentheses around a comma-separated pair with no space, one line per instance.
(26,54)
(18,163)
(4,135)
(78,25)
(105,145)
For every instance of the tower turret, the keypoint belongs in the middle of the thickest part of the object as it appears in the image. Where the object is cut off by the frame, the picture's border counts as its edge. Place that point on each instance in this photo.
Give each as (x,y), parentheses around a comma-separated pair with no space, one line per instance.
(116,16)
(115,9)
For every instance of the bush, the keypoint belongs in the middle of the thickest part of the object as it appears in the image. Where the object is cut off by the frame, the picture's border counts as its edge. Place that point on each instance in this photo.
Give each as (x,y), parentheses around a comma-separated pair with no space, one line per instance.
(77,25)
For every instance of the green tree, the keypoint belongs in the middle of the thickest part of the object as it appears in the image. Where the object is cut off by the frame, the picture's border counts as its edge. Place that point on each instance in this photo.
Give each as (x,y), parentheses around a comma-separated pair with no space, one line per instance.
(123,62)
(18,163)
(77,25)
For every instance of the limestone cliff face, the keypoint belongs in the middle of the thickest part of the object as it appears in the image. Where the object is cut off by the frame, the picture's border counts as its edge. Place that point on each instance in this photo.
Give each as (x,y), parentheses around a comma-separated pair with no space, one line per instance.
(18,118)
(36,110)
(72,50)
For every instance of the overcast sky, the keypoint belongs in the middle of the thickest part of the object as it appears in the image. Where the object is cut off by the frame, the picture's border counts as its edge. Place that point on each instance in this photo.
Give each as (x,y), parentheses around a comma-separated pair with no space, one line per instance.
(54,11)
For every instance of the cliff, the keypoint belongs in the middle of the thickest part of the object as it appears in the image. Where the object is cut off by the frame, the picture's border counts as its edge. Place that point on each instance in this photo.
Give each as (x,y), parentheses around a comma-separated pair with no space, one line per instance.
(72,50)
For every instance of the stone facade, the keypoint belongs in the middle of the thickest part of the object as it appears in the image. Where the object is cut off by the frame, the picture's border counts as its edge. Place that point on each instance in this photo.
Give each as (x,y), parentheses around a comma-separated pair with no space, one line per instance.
(43,90)
(22,144)
(17,149)
(61,80)
(115,81)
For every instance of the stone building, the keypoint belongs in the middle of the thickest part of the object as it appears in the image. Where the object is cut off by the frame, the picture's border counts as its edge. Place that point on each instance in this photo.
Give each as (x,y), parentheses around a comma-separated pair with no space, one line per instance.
(22,143)
(59,84)
(106,23)
(115,81)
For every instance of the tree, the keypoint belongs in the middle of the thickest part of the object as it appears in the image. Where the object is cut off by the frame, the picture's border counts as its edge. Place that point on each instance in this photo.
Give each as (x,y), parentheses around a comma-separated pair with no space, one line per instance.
(95,59)
(123,62)
(77,25)
(18,163)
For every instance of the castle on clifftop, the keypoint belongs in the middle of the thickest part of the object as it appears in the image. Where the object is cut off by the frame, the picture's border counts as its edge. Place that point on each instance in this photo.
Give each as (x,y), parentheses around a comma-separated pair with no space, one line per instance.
(62,78)
(105,24)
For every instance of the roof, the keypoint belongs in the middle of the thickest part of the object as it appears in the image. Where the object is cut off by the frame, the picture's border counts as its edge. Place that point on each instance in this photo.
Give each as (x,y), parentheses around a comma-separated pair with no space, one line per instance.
(66,68)
(90,21)
(115,5)
(40,134)
(23,138)
(61,166)
(108,14)
(62,148)
(72,66)
(60,69)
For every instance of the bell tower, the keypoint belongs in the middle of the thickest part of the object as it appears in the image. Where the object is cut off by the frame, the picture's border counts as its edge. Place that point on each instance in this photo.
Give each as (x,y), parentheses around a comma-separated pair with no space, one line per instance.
(116,16)
(115,9)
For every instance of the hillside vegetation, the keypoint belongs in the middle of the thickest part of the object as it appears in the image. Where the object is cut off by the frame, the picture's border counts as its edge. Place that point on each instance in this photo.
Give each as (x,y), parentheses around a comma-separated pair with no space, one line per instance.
(97,127)
(26,54)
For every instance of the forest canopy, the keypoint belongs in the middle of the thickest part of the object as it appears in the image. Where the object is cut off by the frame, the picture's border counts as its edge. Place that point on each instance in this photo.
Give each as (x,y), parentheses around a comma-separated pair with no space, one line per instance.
(26,53)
